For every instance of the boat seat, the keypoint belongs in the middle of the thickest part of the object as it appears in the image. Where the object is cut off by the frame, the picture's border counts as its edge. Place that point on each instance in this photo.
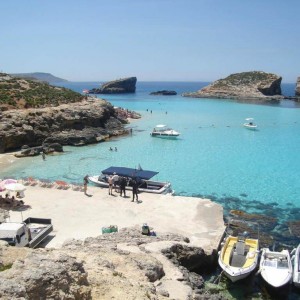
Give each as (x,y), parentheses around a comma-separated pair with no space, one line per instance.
(240,248)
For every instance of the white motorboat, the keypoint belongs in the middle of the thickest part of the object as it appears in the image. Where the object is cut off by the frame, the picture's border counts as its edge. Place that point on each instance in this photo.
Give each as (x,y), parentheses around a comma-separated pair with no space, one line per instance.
(296,263)
(276,267)
(163,131)
(250,124)
(239,257)
(141,176)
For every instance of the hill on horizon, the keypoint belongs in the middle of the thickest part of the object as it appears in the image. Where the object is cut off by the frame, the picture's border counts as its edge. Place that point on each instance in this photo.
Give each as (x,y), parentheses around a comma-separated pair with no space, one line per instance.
(39,76)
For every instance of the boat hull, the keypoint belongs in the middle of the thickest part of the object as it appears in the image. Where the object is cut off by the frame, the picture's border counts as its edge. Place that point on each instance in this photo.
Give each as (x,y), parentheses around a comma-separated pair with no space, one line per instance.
(248,261)
(276,267)
(164,135)
(154,187)
(296,269)
(250,127)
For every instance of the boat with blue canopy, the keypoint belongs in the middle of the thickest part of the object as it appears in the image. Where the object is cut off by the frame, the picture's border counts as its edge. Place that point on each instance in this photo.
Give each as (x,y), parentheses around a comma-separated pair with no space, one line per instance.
(141,176)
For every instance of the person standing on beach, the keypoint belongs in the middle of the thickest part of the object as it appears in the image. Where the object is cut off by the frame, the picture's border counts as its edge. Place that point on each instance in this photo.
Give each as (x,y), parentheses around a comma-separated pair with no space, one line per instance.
(123,183)
(134,185)
(115,181)
(85,183)
(110,184)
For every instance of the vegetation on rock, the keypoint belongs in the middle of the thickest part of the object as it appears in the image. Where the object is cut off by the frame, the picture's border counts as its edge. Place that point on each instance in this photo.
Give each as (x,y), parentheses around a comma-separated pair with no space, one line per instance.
(24,93)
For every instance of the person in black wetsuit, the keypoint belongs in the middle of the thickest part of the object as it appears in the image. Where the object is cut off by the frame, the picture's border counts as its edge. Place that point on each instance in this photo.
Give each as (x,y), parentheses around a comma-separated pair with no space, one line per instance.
(123,184)
(134,185)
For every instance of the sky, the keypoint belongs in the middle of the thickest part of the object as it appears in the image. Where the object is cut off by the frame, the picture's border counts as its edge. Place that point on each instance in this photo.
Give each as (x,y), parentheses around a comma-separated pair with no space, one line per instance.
(154,40)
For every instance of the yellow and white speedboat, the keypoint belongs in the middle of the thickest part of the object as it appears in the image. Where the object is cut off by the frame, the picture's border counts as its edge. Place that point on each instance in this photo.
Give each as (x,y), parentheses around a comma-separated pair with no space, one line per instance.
(239,257)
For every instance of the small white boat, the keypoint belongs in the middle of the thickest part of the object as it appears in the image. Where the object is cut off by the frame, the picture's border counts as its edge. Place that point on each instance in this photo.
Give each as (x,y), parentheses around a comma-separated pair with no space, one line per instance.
(141,176)
(296,271)
(239,257)
(250,124)
(276,267)
(163,131)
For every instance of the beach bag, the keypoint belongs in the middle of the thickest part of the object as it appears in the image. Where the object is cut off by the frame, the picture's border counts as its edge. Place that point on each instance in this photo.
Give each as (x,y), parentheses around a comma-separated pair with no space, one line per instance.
(110,229)
(145,229)
(105,230)
(113,228)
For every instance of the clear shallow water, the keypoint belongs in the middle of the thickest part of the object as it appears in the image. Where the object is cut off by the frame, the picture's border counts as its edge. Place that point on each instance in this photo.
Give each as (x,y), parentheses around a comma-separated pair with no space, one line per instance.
(214,156)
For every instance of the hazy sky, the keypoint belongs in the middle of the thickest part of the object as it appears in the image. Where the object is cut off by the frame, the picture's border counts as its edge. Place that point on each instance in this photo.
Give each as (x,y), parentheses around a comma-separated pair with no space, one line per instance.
(155,40)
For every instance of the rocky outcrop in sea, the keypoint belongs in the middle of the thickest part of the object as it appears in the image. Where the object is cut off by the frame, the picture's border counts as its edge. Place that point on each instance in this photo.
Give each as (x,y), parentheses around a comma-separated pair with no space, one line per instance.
(123,265)
(297,91)
(120,86)
(81,123)
(247,86)
(164,93)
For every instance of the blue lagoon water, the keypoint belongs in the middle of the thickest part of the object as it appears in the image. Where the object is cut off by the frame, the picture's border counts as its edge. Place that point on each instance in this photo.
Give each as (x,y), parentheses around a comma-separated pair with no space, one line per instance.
(214,156)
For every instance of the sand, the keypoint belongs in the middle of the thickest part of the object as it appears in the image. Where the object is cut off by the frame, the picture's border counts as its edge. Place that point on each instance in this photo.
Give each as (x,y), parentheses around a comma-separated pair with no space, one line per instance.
(6,159)
(75,215)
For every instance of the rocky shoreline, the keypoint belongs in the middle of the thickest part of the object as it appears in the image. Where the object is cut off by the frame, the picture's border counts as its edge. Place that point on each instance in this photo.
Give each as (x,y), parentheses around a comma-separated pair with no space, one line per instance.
(123,265)
(81,123)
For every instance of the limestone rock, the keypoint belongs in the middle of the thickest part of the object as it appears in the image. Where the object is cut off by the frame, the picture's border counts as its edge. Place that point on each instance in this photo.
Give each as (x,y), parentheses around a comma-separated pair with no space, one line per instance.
(44,276)
(164,93)
(98,268)
(80,123)
(120,86)
(297,91)
(246,86)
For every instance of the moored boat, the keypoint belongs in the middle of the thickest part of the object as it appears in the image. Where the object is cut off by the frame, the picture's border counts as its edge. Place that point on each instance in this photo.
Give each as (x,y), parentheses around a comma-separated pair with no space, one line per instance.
(163,131)
(141,176)
(239,257)
(276,267)
(296,269)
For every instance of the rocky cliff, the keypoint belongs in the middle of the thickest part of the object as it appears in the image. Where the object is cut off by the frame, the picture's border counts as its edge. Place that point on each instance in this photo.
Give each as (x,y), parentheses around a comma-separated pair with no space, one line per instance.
(249,86)
(297,91)
(120,86)
(80,123)
(124,265)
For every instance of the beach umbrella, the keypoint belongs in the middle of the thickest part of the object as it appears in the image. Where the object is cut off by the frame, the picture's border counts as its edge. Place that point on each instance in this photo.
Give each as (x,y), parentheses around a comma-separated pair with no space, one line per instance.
(8,181)
(15,187)
(4,182)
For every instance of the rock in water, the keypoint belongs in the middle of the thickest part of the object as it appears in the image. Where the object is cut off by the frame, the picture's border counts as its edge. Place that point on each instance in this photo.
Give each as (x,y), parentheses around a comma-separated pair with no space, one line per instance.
(120,86)
(246,86)
(164,93)
(297,91)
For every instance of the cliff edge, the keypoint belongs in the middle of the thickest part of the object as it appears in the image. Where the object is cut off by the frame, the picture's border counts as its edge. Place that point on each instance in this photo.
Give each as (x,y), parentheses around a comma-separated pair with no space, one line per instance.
(245,86)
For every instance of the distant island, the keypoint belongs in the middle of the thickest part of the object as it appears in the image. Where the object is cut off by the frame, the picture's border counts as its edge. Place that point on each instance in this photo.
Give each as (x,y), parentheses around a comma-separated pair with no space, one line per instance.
(297,91)
(39,76)
(245,86)
(120,86)
(164,93)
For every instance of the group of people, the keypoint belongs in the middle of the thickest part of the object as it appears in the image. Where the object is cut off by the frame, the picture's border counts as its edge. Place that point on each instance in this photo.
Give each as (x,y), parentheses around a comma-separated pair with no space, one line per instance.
(111,149)
(120,183)
(10,201)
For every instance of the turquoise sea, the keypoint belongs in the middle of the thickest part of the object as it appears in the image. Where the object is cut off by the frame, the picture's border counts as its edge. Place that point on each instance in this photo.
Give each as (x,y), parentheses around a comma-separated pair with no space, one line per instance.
(214,157)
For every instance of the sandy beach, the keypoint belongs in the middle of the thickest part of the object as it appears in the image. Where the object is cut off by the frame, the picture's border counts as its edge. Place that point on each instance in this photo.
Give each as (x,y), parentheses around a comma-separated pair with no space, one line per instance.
(6,159)
(75,215)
